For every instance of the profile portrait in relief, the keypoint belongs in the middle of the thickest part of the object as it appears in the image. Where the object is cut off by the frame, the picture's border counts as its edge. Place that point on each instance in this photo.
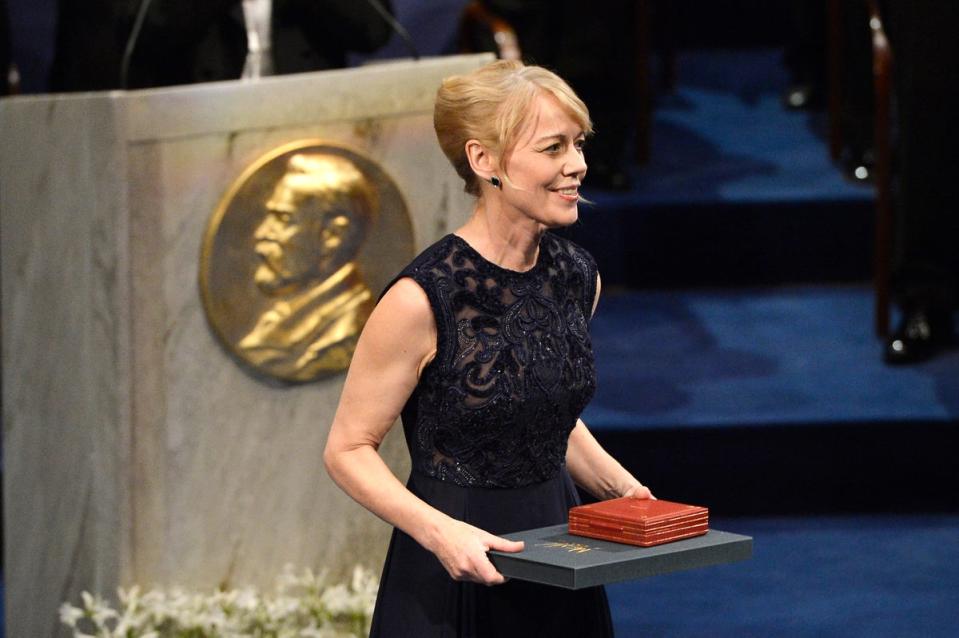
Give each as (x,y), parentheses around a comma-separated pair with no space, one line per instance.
(314,223)
(304,220)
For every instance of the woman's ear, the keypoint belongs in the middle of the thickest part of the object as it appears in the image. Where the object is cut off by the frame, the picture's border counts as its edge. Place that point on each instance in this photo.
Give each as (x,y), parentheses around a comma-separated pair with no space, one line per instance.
(481,160)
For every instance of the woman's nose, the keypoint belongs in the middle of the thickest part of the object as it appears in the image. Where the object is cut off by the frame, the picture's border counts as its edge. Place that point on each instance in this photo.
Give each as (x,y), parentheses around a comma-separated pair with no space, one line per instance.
(576,162)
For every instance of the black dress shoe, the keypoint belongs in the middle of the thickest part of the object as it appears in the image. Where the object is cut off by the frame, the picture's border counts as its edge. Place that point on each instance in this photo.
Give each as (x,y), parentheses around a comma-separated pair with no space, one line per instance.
(920,335)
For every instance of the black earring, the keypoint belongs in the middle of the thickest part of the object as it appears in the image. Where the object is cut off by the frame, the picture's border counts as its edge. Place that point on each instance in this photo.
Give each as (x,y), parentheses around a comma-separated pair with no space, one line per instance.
(495,182)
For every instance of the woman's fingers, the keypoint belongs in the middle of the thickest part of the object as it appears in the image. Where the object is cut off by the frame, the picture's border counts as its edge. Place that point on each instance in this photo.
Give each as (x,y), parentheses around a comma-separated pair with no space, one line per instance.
(489,575)
(504,545)
(477,568)
(486,572)
(639,491)
(464,555)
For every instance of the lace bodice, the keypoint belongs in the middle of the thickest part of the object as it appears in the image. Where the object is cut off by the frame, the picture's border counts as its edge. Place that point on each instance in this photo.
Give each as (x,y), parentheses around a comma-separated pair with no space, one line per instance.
(513,366)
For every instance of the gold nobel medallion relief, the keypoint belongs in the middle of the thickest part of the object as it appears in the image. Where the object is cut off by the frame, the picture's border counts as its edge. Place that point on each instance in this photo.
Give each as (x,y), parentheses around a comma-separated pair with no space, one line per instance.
(295,254)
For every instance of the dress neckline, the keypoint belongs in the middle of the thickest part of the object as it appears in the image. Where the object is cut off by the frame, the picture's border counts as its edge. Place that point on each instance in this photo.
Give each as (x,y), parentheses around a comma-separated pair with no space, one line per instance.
(540,259)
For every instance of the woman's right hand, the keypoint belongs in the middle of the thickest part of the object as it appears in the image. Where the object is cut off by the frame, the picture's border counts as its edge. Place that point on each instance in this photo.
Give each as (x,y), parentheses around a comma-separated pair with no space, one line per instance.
(461,548)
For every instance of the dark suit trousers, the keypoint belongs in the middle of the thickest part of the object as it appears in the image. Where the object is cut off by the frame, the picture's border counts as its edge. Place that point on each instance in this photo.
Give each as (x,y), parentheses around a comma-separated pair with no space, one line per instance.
(926,51)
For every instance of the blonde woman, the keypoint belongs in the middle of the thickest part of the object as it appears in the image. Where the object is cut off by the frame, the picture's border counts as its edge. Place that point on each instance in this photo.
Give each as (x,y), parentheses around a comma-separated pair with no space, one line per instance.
(481,344)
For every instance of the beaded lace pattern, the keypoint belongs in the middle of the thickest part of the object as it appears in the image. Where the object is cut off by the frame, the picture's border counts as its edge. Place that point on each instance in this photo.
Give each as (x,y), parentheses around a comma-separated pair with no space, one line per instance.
(513,368)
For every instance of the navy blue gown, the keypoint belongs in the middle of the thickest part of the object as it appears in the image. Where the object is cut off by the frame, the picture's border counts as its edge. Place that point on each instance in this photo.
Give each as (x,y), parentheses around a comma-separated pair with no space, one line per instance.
(487,429)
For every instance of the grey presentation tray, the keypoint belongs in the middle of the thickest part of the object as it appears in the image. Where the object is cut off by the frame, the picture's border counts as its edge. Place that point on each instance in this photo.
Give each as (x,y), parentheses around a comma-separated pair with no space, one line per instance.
(554,557)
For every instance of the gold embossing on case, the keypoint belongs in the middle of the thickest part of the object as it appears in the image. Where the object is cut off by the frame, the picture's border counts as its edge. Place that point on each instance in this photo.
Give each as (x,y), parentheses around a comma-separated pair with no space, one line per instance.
(293,254)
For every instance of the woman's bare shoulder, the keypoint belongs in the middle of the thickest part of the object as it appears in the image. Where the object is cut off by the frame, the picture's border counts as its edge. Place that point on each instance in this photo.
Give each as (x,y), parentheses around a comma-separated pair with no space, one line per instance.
(407,298)
(402,322)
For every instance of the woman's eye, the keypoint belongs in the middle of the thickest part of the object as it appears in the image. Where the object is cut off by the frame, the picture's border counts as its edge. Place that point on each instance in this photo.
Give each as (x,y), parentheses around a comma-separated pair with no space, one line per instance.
(552,148)
(580,144)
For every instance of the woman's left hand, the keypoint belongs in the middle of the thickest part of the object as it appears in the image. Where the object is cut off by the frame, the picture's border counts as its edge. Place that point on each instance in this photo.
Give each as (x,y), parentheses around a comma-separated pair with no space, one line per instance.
(638,491)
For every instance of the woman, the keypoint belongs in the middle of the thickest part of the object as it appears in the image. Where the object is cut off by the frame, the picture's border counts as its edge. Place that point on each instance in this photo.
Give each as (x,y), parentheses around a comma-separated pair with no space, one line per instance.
(481,345)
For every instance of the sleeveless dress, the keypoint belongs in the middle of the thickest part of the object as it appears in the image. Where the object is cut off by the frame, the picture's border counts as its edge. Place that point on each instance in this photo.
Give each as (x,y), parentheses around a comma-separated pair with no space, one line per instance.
(487,428)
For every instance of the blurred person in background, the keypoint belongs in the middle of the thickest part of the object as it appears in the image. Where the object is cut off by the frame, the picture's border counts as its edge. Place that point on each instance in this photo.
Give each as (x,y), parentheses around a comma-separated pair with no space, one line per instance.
(807,45)
(926,268)
(182,42)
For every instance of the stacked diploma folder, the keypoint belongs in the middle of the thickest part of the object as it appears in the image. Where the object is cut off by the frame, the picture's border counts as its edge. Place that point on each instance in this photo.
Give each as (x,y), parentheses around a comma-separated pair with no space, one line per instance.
(643,522)
(620,539)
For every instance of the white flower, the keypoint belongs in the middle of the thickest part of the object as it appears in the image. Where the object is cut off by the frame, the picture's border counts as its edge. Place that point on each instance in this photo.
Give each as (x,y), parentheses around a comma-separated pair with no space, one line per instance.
(246,599)
(301,607)
(69,615)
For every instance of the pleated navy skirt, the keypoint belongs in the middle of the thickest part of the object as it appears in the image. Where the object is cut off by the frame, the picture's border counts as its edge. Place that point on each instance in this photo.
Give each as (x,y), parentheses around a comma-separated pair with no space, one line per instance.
(418,599)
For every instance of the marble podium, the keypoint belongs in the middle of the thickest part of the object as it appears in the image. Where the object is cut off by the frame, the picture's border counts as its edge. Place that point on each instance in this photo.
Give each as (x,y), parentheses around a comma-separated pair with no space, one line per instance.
(135,449)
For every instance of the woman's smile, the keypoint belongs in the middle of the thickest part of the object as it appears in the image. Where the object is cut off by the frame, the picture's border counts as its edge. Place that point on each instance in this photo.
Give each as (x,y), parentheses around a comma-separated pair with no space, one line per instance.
(568,193)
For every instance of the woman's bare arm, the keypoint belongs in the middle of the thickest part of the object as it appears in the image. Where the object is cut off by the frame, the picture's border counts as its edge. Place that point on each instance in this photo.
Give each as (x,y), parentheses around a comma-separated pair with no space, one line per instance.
(398,341)
(596,471)
(591,466)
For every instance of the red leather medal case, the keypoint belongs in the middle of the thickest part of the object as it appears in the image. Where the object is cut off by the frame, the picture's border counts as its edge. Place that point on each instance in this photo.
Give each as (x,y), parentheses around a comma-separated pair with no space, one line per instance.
(643,522)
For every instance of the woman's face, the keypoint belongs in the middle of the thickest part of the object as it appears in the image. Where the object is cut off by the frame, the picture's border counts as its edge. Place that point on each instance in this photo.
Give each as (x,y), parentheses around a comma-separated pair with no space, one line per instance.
(546,166)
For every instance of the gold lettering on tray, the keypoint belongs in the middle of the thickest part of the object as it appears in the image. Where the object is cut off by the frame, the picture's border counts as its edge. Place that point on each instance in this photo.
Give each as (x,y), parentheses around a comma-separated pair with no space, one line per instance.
(576,548)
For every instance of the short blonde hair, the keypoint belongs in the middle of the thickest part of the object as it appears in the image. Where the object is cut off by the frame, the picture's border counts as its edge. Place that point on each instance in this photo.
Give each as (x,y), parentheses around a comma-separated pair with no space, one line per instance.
(492,105)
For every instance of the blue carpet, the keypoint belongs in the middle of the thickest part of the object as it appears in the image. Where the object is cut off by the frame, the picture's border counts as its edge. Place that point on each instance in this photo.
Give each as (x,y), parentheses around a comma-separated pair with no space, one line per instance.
(794,355)
(723,136)
(863,576)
